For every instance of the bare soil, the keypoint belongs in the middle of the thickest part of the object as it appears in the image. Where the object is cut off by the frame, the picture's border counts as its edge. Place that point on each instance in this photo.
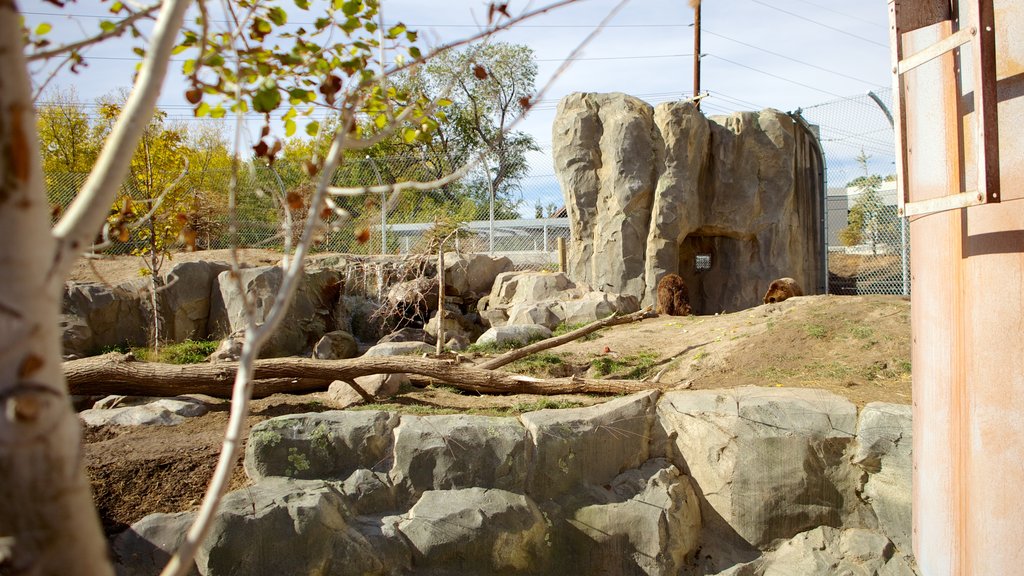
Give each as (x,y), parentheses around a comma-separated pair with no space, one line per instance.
(854,346)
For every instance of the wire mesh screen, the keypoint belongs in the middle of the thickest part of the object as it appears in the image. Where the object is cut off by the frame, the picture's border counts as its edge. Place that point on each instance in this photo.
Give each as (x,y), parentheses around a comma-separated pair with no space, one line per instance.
(868,243)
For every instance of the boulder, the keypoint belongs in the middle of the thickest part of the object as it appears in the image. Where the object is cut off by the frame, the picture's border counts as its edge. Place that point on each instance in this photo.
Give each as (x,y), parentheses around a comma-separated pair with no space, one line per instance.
(309,317)
(511,288)
(286,526)
(458,451)
(115,316)
(380,386)
(455,325)
(162,412)
(336,345)
(548,314)
(826,551)
(320,445)
(472,275)
(770,461)
(650,524)
(400,349)
(476,531)
(595,306)
(576,447)
(184,299)
(884,441)
(146,547)
(521,334)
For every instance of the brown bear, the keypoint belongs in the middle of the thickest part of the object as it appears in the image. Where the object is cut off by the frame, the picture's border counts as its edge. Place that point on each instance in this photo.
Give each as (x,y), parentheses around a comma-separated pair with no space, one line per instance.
(782,289)
(673,297)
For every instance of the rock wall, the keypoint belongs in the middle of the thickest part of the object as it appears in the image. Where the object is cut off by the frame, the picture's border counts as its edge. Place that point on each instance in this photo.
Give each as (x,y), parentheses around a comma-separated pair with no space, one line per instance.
(648,189)
(751,481)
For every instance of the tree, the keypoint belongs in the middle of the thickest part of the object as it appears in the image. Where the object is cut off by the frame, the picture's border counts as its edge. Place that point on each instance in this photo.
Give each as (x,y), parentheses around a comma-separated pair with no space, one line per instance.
(48,524)
(868,219)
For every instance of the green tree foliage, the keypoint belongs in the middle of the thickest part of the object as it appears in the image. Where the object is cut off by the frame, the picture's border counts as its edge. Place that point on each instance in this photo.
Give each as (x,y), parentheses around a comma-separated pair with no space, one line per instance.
(868,219)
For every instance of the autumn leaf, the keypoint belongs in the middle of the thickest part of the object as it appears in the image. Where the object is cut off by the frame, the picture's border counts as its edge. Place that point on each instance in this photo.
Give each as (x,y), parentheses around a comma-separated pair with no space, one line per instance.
(480,72)
(363,235)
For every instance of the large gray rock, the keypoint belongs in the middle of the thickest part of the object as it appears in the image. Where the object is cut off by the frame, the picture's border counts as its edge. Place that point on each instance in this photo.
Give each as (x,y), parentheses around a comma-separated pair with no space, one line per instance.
(163,412)
(827,551)
(579,446)
(511,288)
(521,334)
(594,306)
(472,275)
(884,441)
(146,547)
(546,313)
(455,325)
(476,531)
(322,445)
(114,315)
(459,451)
(184,299)
(651,524)
(309,317)
(379,386)
(336,345)
(400,349)
(285,526)
(648,189)
(770,461)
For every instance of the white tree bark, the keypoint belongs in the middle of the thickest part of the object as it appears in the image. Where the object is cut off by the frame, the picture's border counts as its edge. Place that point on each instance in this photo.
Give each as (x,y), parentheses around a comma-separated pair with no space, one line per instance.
(48,523)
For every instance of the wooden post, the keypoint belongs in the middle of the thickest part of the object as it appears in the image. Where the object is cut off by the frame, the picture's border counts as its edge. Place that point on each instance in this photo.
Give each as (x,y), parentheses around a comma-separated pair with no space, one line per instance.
(561,255)
(440,299)
(696,53)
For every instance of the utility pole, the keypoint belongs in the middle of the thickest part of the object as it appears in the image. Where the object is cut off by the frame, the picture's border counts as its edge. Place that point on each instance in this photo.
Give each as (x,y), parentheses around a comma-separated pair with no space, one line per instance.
(696,52)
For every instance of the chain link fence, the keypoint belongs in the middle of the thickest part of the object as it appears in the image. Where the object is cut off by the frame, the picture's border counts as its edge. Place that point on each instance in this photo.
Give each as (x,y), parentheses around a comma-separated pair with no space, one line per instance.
(867,242)
(518,220)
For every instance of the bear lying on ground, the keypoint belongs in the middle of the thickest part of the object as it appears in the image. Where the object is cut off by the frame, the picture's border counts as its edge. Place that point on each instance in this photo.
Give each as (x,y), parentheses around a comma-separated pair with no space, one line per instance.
(782,289)
(673,297)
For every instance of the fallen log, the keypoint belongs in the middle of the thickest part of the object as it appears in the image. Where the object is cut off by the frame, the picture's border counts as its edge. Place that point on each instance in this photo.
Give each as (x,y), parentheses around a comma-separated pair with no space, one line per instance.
(121,374)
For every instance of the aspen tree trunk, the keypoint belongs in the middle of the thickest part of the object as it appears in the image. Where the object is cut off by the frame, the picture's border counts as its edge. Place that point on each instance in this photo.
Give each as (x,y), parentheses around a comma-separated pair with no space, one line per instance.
(48,523)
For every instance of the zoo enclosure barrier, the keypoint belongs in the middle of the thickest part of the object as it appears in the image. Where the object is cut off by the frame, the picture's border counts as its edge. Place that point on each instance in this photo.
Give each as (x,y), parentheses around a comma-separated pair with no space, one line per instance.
(867,244)
(865,241)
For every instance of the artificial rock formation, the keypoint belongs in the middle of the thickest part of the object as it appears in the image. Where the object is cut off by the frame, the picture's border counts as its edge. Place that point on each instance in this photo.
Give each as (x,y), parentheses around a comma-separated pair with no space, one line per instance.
(648,189)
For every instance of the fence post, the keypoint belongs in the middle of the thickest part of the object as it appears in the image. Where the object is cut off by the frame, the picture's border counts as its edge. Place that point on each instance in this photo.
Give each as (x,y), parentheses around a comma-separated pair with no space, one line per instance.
(561,254)
(383,209)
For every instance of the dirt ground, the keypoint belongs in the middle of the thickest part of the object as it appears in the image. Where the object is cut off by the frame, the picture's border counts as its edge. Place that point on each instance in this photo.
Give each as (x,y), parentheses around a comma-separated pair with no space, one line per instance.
(854,346)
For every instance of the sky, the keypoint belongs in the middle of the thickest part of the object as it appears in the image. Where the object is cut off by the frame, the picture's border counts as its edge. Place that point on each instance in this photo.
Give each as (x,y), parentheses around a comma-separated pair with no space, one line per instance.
(755,53)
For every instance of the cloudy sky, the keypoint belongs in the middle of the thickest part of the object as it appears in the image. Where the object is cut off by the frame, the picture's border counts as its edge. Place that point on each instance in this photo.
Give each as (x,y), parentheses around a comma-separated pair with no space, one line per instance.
(757,53)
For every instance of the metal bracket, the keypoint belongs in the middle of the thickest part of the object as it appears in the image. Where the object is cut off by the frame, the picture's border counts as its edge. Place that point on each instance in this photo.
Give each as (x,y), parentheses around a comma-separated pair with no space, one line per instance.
(908,15)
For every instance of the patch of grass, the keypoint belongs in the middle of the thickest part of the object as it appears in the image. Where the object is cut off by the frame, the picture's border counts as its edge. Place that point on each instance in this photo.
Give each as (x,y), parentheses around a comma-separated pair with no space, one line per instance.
(187,352)
(816,331)
(564,328)
(544,404)
(634,367)
(541,364)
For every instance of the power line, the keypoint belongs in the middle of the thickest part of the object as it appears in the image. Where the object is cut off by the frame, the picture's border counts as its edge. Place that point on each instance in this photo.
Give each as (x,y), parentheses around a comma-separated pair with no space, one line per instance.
(840,30)
(783,78)
(843,14)
(815,66)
